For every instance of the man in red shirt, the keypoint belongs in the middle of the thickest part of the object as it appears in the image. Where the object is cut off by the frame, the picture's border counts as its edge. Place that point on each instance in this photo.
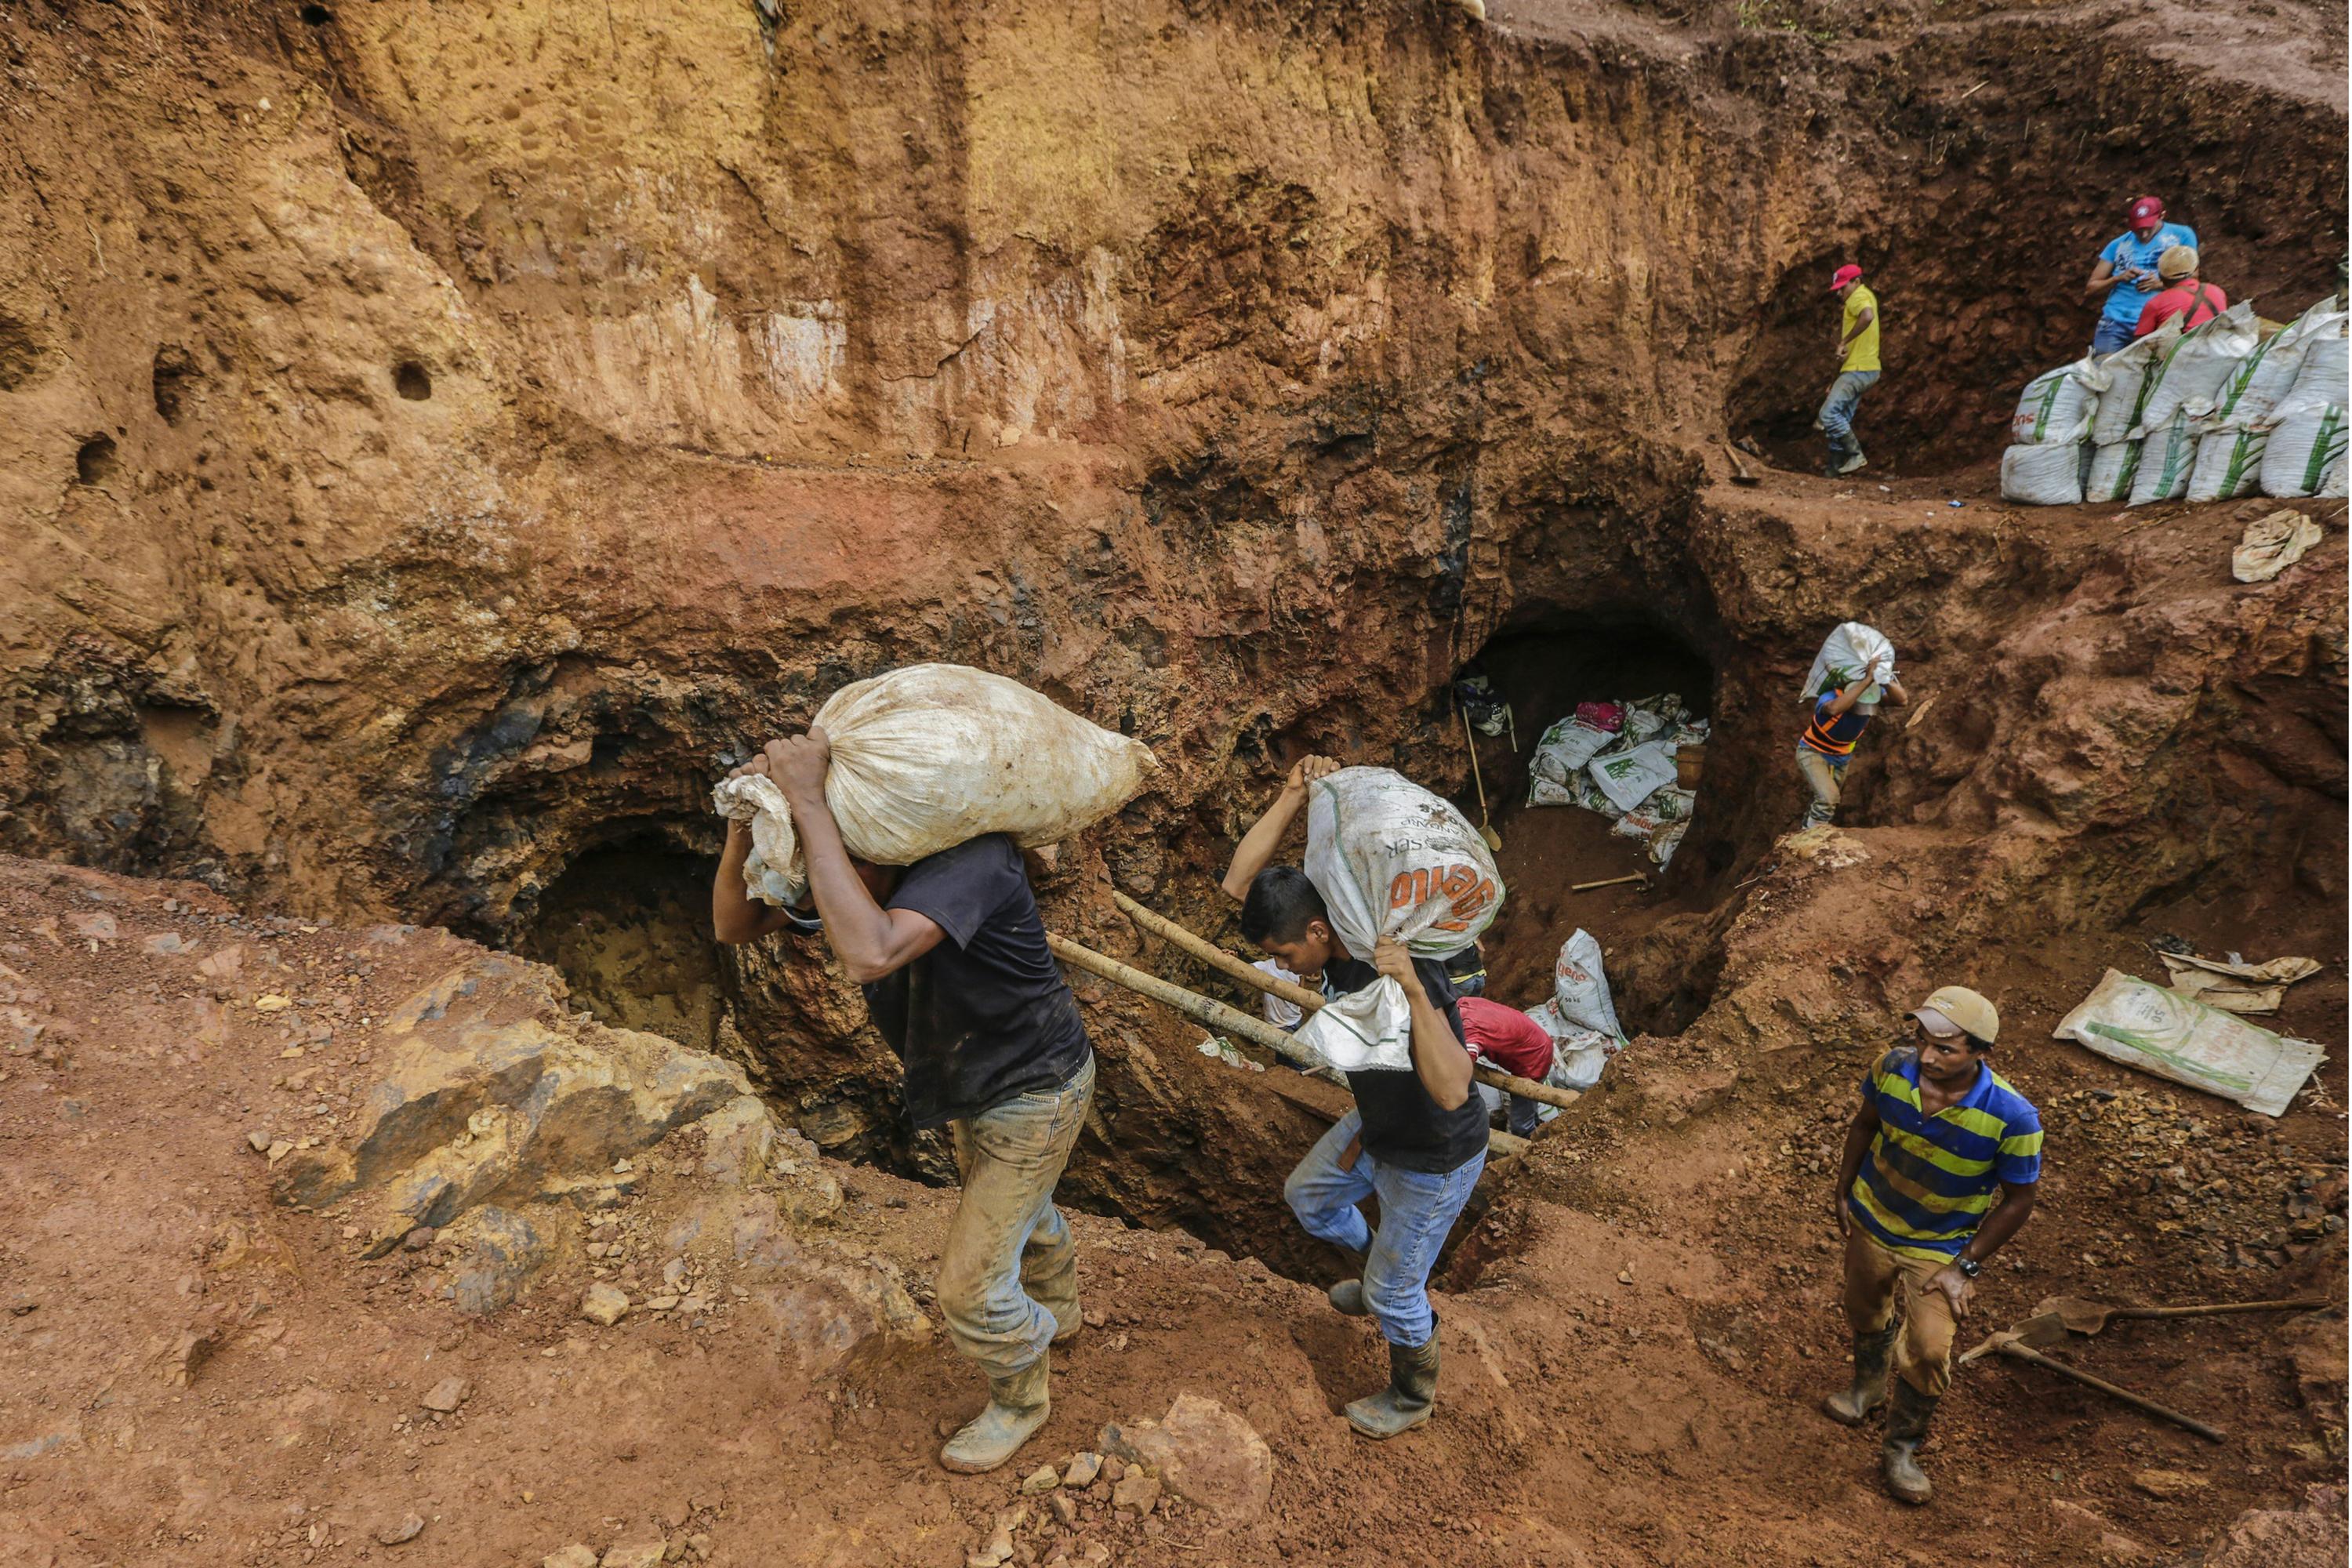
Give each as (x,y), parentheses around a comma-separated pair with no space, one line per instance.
(1508,1040)
(2194,302)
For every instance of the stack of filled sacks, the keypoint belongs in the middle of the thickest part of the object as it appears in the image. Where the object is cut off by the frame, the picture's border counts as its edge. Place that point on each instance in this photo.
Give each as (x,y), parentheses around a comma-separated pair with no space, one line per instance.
(1617,759)
(2211,413)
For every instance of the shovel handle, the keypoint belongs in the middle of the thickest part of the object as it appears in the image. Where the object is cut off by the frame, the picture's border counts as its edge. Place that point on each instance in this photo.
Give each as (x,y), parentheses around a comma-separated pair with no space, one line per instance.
(2215,1308)
(2211,1434)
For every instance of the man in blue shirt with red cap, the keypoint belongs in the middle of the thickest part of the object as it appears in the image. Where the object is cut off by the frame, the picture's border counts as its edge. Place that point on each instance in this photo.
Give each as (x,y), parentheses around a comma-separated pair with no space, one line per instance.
(2126,273)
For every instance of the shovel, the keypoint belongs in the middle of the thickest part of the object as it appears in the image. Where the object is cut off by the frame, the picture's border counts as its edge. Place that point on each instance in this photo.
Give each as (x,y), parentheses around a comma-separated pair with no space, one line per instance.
(2083,1316)
(2049,1329)
(1469,738)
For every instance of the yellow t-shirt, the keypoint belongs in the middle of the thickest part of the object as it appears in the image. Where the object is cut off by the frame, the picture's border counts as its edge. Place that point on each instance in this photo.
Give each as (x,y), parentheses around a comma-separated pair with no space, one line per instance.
(1863,352)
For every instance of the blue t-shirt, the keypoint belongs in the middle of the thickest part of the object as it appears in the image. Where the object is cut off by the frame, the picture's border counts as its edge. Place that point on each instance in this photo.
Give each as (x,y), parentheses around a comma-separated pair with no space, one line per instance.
(2125,299)
(1930,1180)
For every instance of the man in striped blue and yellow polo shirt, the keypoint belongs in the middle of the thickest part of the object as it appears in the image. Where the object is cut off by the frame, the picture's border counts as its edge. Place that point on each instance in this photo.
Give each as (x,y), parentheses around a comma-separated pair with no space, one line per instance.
(1939,1172)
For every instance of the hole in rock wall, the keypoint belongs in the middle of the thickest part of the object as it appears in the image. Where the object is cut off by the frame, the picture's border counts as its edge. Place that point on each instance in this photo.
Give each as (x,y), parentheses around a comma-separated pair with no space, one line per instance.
(411,381)
(95,463)
(629,927)
(1543,667)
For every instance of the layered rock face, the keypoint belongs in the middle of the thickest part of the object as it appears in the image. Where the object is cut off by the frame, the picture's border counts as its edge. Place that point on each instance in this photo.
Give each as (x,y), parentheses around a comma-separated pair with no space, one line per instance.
(436,443)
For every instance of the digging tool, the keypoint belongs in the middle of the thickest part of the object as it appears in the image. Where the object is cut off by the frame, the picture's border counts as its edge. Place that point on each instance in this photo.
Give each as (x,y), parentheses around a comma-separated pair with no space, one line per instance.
(2018,1343)
(1215,1015)
(1739,474)
(1486,828)
(1607,882)
(2082,1316)
(1308,1001)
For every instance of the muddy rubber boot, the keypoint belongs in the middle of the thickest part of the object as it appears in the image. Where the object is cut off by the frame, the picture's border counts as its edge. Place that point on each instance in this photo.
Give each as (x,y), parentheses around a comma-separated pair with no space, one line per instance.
(1854,463)
(1408,1399)
(1348,1294)
(1853,1408)
(1017,1406)
(1907,1414)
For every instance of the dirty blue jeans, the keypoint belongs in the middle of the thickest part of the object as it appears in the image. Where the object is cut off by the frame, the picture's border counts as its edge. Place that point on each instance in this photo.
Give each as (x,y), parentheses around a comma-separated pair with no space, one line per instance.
(2112,334)
(1836,416)
(1009,1272)
(1417,1209)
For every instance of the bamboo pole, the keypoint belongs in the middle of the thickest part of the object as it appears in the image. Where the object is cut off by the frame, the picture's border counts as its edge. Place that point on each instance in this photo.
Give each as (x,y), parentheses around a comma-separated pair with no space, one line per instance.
(1607,882)
(1299,996)
(1214,1014)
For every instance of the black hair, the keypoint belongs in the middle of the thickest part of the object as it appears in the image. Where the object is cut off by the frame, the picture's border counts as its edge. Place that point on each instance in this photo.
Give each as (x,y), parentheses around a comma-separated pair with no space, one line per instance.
(1281,901)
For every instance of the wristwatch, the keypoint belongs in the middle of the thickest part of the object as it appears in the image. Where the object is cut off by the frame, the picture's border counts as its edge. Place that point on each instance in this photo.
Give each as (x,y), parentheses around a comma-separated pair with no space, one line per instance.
(1969,1267)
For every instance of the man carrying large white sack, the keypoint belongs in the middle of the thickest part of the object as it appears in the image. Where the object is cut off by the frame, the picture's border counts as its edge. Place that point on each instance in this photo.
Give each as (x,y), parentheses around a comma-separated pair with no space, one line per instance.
(951,953)
(1417,1138)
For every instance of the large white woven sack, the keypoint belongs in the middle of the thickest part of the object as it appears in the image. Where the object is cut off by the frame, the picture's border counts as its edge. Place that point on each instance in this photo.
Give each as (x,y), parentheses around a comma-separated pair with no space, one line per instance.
(2131,374)
(2164,460)
(2043,476)
(2261,381)
(2113,468)
(930,756)
(1391,859)
(2228,463)
(2302,445)
(2058,405)
(1849,649)
(2193,372)
(2324,378)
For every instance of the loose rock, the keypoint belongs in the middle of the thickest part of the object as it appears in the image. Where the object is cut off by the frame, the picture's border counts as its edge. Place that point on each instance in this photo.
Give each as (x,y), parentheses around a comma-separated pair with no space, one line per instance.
(575,1555)
(1041,1479)
(604,1304)
(408,1529)
(1082,1469)
(446,1394)
(636,1554)
(1204,1453)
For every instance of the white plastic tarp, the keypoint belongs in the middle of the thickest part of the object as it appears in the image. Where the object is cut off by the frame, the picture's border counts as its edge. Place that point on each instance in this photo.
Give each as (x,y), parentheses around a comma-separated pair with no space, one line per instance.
(2128,1020)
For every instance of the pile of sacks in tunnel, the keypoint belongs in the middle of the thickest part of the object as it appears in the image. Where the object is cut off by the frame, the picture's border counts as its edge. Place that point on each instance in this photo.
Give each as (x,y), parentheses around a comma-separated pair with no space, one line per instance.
(1619,759)
(2237,406)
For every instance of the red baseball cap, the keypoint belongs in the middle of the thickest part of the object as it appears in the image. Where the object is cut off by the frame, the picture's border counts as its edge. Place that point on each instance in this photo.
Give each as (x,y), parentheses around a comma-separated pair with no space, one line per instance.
(2147,209)
(1847,274)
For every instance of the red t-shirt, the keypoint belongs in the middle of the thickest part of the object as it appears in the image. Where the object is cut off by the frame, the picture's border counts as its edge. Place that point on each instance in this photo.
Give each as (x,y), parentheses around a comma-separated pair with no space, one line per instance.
(1504,1038)
(2207,302)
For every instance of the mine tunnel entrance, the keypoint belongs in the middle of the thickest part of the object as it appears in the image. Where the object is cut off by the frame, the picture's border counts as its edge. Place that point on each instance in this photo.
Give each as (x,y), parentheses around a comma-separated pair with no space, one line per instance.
(1544,669)
(629,927)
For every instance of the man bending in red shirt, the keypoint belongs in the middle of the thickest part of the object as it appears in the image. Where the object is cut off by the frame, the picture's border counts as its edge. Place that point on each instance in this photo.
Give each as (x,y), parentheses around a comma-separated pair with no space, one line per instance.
(2194,302)
(1508,1040)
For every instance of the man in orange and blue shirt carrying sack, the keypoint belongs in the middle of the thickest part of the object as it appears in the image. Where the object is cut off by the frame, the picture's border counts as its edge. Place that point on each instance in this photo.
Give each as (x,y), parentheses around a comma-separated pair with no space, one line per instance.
(1940,1170)
(1827,745)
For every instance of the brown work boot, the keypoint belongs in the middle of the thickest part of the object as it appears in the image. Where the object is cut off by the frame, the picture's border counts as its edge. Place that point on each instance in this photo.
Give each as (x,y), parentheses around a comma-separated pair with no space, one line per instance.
(1907,1415)
(1408,1399)
(1017,1406)
(1853,1408)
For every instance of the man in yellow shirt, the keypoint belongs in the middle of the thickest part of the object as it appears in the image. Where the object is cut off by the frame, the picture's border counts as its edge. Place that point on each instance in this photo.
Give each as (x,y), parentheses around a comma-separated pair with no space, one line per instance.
(1857,351)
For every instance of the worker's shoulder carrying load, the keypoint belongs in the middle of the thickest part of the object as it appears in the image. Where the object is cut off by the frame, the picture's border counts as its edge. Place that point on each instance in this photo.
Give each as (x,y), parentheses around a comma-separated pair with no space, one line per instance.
(1391,859)
(931,755)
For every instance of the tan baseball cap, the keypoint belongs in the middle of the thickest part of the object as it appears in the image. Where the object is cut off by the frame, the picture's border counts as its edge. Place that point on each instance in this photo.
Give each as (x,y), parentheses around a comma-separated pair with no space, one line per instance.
(2178,262)
(1956,1007)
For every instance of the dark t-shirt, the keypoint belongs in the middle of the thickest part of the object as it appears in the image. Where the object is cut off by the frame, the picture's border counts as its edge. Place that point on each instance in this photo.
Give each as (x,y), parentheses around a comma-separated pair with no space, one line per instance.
(985,1016)
(1403,1126)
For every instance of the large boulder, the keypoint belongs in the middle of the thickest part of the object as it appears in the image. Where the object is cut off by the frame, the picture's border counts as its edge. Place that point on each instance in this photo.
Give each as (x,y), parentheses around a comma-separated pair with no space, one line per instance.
(496,1093)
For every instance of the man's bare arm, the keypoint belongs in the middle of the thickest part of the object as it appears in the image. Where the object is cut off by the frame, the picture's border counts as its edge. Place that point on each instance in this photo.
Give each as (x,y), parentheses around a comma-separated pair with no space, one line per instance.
(1439,1059)
(2103,278)
(870,940)
(736,917)
(1255,851)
